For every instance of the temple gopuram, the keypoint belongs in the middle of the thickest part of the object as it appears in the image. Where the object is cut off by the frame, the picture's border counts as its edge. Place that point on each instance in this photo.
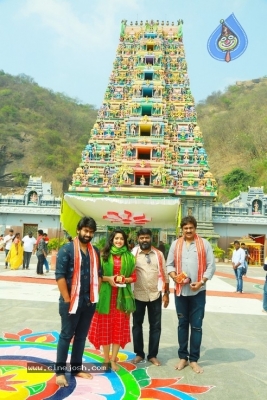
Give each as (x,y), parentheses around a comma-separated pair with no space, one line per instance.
(144,163)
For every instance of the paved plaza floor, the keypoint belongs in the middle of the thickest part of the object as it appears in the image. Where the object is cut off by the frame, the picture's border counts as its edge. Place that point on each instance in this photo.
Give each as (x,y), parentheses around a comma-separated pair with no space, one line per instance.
(233,352)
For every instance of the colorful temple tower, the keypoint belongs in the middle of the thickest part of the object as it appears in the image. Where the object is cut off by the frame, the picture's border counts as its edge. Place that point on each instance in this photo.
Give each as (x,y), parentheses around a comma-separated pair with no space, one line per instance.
(145,163)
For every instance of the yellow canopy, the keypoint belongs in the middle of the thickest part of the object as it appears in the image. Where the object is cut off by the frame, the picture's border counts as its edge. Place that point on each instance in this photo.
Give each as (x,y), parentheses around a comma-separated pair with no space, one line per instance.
(120,211)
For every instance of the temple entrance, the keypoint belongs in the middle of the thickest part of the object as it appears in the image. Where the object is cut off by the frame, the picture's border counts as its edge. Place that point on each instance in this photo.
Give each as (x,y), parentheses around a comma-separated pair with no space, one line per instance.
(257,251)
(30,228)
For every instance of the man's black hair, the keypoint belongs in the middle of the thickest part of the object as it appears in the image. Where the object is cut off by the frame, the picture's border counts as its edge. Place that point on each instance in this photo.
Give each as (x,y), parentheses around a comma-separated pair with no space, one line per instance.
(87,222)
(189,219)
(144,231)
(40,232)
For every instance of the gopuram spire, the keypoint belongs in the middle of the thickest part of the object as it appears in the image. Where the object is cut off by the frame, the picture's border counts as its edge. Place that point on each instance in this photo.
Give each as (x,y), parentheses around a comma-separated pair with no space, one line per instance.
(145,154)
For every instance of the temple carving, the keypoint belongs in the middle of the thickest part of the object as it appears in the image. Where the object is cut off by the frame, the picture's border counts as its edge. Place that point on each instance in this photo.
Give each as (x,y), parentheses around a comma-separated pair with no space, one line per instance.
(146,142)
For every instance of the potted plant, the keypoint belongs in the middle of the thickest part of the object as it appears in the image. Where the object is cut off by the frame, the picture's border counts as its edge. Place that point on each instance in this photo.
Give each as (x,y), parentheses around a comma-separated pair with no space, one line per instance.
(53,246)
(218,253)
(230,252)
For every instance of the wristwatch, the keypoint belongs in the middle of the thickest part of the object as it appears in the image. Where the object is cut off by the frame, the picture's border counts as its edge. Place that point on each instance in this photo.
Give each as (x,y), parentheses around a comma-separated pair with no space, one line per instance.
(167,292)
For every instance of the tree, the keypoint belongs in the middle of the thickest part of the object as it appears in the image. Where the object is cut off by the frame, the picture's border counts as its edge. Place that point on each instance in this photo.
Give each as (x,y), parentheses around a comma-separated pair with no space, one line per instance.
(237,180)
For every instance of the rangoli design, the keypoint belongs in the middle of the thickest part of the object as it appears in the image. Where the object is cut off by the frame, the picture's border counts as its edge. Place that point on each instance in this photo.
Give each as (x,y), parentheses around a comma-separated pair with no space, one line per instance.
(17,350)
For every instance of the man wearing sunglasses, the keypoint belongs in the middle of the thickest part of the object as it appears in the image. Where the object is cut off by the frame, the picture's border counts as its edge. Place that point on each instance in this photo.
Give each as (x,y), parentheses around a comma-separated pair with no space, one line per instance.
(152,278)
(190,264)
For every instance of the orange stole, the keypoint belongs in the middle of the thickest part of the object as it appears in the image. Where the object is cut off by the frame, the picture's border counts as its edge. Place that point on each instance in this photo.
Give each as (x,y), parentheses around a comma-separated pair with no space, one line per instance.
(201,255)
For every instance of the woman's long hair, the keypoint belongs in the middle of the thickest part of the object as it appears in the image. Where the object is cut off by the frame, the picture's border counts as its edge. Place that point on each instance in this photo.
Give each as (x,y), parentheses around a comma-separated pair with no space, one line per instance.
(109,244)
(17,235)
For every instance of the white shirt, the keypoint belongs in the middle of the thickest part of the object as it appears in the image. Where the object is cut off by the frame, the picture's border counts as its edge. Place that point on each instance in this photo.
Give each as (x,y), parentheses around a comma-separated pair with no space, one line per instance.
(8,241)
(28,243)
(239,257)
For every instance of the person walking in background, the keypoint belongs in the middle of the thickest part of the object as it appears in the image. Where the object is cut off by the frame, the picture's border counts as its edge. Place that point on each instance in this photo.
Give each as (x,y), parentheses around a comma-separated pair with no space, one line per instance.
(2,243)
(190,264)
(78,276)
(8,242)
(28,245)
(40,253)
(110,326)
(265,288)
(162,248)
(151,279)
(247,257)
(15,254)
(46,239)
(238,262)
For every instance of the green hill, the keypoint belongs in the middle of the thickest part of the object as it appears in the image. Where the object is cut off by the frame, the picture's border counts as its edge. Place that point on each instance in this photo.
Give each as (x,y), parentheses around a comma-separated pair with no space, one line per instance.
(234,125)
(42,133)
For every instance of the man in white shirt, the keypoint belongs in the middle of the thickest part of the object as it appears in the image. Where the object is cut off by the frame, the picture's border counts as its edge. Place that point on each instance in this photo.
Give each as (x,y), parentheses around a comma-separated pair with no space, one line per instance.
(28,244)
(8,242)
(238,262)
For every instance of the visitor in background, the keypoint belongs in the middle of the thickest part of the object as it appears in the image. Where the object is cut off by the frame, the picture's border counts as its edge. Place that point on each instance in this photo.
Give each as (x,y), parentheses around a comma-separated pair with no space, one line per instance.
(238,260)
(247,257)
(162,248)
(8,242)
(15,254)
(2,243)
(40,252)
(110,326)
(46,239)
(190,264)
(28,245)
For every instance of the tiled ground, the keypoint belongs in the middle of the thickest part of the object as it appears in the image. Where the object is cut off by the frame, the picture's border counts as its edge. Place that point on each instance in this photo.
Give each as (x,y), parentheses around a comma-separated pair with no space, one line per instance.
(233,354)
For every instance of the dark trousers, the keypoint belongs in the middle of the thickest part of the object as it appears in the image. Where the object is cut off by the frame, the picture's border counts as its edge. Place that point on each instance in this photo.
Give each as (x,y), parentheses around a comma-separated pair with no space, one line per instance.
(6,251)
(190,311)
(76,325)
(40,264)
(154,309)
(26,259)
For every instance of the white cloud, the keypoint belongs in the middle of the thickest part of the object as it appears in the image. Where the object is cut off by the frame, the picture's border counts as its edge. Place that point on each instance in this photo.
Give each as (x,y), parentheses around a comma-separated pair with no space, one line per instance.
(71,28)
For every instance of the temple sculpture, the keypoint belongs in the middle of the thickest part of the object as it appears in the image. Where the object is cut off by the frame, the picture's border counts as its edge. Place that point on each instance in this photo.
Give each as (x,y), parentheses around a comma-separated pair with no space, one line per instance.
(145,147)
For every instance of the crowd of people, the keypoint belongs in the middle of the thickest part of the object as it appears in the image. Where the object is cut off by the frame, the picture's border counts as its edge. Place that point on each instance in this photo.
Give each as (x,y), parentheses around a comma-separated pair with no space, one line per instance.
(19,250)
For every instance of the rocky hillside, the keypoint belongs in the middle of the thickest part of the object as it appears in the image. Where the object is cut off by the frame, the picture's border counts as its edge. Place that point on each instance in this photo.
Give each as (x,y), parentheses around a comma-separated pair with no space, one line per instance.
(42,133)
(234,125)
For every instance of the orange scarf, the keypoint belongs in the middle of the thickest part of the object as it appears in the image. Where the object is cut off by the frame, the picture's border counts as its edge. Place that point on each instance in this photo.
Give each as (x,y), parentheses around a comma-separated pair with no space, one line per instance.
(76,279)
(201,255)
(159,254)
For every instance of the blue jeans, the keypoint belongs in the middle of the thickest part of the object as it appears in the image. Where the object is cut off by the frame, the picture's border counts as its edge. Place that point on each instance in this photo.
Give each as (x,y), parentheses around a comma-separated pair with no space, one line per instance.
(26,259)
(76,325)
(40,264)
(265,295)
(6,251)
(239,278)
(46,265)
(245,270)
(190,311)
(154,309)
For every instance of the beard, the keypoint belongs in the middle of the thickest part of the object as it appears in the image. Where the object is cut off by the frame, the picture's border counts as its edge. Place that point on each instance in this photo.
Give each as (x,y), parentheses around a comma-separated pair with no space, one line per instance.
(145,245)
(84,239)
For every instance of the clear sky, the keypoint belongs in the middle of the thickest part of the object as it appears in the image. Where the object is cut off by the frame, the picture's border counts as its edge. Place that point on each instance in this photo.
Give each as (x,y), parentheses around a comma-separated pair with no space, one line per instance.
(69,45)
